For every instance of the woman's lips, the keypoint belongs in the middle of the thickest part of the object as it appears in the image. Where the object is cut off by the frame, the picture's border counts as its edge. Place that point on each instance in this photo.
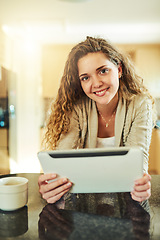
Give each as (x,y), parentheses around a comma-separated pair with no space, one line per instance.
(101,93)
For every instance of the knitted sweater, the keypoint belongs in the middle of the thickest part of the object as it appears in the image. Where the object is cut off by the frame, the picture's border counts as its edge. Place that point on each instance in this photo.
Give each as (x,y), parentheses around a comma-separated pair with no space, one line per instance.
(133,125)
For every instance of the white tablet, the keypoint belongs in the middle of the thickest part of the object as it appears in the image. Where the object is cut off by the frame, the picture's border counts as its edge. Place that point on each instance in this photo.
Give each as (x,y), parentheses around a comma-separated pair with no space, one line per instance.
(95,170)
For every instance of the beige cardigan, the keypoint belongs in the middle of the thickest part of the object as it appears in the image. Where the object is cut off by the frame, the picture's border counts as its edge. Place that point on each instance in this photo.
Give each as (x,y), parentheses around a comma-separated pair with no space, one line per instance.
(133,125)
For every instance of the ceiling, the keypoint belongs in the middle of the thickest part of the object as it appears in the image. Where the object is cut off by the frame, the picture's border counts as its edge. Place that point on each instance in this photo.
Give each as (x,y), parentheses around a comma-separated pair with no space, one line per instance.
(62,21)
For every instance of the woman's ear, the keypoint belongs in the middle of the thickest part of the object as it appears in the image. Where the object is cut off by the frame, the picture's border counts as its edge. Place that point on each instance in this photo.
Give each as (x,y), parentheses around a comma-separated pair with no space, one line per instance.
(120,70)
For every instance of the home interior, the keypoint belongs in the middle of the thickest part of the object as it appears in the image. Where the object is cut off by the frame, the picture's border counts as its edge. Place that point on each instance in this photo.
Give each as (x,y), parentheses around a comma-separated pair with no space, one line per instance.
(35,39)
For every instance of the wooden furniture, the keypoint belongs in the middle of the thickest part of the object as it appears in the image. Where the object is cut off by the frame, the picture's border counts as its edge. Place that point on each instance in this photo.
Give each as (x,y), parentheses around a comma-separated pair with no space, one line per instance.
(4,156)
(3,83)
(154,153)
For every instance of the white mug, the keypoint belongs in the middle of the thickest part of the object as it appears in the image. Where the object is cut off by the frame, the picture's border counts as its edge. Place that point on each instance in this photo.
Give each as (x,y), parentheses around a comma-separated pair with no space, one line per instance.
(13,193)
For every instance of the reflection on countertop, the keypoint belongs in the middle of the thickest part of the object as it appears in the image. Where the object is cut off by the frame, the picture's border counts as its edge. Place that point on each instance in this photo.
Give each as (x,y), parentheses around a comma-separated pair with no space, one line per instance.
(11,224)
(95,216)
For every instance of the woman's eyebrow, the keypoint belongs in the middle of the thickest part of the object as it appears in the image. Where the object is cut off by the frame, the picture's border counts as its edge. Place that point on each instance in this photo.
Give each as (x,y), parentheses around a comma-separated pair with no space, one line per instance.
(83,74)
(99,68)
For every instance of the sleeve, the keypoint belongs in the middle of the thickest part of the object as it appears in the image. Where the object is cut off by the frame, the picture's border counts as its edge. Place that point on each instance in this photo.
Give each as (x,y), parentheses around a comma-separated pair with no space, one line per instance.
(139,131)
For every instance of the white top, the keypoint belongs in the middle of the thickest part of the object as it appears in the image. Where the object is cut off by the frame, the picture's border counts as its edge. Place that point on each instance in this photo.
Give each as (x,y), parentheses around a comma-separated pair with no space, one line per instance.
(105,142)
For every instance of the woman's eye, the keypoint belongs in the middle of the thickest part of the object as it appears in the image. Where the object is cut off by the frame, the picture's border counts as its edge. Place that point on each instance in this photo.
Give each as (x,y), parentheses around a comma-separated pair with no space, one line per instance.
(84,78)
(105,70)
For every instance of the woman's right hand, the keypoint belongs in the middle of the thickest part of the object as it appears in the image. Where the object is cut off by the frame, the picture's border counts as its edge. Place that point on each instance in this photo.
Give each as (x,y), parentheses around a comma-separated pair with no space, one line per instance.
(53,191)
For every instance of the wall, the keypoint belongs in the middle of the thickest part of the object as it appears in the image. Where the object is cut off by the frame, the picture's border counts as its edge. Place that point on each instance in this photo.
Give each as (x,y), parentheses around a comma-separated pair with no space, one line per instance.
(24,59)
(27,66)
(6,46)
(53,61)
(2,48)
(147,62)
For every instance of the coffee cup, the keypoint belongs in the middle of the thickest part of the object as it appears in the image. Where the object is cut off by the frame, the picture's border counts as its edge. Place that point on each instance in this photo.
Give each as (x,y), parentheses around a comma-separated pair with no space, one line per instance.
(13,193)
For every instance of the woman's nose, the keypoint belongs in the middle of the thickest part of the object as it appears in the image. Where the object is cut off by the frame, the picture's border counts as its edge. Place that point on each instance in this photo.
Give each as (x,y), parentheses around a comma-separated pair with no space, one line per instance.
(96,81)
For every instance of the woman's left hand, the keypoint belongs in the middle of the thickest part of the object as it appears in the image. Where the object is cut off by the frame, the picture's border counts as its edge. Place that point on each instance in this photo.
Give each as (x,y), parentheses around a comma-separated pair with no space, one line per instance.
(142,188)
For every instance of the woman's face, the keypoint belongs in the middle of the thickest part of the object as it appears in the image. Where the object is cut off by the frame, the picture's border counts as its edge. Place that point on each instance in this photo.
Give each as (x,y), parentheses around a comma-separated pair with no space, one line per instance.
(99,77)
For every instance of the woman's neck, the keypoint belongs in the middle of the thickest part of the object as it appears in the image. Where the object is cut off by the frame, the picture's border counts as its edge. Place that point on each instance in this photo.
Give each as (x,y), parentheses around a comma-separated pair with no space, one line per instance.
(108,109)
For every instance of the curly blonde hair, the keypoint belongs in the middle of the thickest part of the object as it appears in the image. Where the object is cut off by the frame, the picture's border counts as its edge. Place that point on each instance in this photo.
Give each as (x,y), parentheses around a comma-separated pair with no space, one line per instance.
(70,89)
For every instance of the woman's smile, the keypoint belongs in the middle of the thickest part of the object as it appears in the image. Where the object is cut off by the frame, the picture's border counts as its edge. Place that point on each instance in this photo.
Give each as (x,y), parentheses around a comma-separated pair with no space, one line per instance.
(101,93)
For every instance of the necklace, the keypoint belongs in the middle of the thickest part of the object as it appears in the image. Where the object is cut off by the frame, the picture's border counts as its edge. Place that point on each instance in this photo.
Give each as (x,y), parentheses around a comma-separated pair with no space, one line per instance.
(107,123)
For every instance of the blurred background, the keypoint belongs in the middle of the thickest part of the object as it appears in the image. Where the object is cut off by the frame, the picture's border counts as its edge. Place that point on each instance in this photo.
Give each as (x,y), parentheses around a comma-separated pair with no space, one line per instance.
(35,39)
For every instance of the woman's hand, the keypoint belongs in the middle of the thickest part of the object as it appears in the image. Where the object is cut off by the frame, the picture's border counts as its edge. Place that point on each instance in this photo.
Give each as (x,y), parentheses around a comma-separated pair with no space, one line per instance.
(142,188)
(53,191)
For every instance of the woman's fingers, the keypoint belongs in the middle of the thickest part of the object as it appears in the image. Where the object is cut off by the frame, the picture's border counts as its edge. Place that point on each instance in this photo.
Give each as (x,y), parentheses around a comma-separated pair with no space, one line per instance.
(145,194)
(140,197)
(53,191)
(50,190)
(146,177)
(142,188)
(53,184)
(55,198)
(46,177)
(47,187)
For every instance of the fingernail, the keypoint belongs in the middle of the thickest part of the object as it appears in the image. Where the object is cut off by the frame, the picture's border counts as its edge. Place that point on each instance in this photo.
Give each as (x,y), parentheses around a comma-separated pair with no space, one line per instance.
(65,180)
(69,184)
(54,175)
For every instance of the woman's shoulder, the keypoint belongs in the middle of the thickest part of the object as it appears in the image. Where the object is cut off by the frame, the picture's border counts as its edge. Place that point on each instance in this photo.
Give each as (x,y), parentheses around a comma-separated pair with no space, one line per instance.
(139,100)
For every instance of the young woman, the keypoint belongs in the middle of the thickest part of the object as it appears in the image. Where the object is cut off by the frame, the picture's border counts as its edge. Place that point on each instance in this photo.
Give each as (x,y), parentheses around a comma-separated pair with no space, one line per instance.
(101,102)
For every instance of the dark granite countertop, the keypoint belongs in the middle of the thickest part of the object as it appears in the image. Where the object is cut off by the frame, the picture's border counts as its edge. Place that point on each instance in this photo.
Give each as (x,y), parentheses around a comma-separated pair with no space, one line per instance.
(84,216)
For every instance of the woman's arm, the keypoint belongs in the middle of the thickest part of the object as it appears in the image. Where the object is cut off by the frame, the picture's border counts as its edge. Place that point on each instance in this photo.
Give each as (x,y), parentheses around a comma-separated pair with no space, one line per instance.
(138,127)
(140,135)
